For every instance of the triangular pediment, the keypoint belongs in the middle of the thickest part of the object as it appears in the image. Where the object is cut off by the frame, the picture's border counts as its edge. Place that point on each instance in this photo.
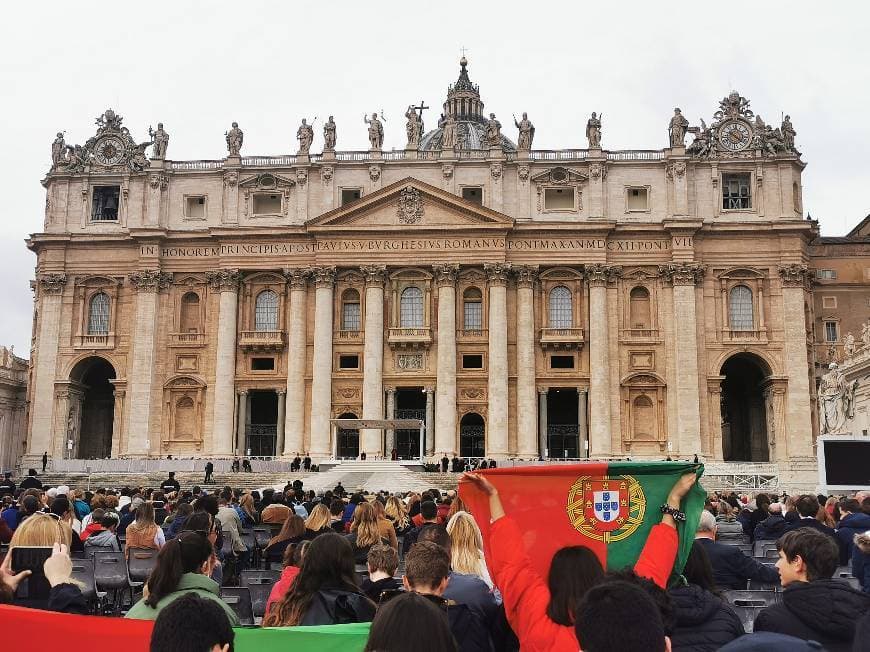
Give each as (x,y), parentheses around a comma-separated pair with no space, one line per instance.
(410,205)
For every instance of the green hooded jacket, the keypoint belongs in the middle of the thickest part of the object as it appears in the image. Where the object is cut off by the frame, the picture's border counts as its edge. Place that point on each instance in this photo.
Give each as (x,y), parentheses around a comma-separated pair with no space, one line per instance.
(195,583)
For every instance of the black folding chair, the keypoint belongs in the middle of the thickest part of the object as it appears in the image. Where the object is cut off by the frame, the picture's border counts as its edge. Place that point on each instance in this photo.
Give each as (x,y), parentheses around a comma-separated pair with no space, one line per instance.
(260,584)
(854,582)
(110,575)
(140,562)
(239,600)
(83,573)
(747,604)
(761,548)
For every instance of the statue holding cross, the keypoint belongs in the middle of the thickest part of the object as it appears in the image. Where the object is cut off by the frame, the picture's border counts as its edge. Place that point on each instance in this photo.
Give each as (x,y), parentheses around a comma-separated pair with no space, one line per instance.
(414,126)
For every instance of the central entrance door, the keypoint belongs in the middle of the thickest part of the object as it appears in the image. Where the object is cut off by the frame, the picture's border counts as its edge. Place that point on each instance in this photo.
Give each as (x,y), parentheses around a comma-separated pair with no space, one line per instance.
(410,404)
(97,410)
(348,439)
(744,414)
(263,428)
(563,440)
(472,436)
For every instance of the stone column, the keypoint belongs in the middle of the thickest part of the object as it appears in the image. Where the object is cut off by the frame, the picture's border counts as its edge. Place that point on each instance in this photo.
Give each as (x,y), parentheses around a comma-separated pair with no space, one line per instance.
(391,412)
(148,284)
(497,430)
(445,412)
(226,283)
(282,410)
(542,421)
(598,276)
(796,279)
(321,376)
(50,301)
(684,277)
(527,443)
(242,422)
(373,357)
(430,420)
(297,320)
(582,422)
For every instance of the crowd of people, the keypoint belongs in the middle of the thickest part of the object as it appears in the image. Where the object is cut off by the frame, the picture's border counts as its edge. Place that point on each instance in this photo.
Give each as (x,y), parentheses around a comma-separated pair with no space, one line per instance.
(414,566)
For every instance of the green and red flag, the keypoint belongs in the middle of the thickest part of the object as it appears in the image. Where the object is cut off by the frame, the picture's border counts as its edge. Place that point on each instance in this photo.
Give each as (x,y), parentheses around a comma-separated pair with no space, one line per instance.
(609,507)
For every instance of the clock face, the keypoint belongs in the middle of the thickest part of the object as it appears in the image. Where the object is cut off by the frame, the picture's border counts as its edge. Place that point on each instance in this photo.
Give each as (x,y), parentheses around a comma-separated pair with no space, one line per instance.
(735,135)
(109,151)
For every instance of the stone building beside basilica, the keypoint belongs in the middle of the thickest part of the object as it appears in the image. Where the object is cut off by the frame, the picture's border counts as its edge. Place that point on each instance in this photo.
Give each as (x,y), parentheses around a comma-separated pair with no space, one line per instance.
(522,302)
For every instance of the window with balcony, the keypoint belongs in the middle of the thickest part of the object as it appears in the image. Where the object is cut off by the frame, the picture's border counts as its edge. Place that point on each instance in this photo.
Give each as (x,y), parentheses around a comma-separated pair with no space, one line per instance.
(561,362)
(831,331)
(735,192)
(98,314)
(105,204)
(740,311)
(350,310)
(472,309)
(411,308)
(561,310)
(189,321)
(639,309)
(266,311)
(262,364)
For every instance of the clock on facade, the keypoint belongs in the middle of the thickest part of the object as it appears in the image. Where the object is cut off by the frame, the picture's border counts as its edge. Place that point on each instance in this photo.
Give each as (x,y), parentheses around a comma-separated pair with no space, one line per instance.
(109,151)
(735,135)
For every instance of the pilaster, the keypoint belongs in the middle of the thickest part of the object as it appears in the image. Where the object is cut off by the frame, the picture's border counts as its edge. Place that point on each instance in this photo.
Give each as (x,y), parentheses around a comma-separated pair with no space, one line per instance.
(226,283)
(445,407)
(497,428)
(297,319)
(597,277)
(321,375)
(373,356)
(527,444)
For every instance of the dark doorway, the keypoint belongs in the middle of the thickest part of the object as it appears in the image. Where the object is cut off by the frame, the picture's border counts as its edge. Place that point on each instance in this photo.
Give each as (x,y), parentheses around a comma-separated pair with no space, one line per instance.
(98,408)
(410,404)
(472,436)
(744,418)
(263,425)
(348,439)
(563,439)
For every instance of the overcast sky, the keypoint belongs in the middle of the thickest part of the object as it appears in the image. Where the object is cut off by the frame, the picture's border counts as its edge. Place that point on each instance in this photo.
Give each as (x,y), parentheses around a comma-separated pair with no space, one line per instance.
(197,66)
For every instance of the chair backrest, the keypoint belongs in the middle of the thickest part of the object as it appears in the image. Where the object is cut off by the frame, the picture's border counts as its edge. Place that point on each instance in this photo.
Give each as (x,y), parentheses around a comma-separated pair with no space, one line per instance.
(747,604)
(854,582)
(843,571)
(140,562)
(83,572)
(239,600)
(762,546)
(260,584)
(262,535)
(110,571)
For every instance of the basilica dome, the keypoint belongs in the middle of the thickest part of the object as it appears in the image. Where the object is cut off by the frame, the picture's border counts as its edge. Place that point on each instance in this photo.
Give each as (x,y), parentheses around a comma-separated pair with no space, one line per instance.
(464,104)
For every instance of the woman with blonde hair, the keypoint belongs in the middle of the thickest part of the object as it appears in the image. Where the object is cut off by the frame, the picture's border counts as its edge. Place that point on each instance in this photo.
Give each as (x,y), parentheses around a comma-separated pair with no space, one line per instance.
(246,511)
(143,532)
(365,532)
(317,522)
(466,547)
(397,514)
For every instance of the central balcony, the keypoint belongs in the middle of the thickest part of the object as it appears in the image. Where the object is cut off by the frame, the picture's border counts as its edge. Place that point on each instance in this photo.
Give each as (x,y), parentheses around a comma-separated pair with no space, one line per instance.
(409,338)
(472,335)
(562,338)
(261,340)
(95,341)
(187,339)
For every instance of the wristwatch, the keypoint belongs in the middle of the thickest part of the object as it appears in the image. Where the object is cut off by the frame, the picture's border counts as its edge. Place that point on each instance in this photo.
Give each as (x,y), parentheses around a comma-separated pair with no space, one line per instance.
(676,514)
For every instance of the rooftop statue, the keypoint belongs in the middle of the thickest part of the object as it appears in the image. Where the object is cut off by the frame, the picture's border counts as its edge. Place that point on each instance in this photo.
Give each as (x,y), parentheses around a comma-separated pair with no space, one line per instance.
(593,131)
(235,138)
(160,140)
(493,131)
(677,129)
(527,132)
(414,127)
(305,136)
(376,131)
(329,135)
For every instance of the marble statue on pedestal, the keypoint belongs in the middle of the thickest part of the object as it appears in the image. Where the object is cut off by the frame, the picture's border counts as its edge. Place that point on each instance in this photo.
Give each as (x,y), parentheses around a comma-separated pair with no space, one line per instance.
(159,141)
(235,138)
(677,129)
(493,131)
(527,132)
(376,131)
(329,135)
(305,136)
(836,401)
(593,131)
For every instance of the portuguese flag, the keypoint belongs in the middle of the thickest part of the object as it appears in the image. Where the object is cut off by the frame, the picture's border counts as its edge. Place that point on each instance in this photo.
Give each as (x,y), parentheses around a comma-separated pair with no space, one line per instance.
(608,507)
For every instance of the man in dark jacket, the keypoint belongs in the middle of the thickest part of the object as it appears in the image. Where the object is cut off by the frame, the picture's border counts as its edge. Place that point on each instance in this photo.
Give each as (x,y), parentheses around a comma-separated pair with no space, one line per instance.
(306,463)
(170,484)
(445,463)
(773,527)
(702,621)
(31,481)
(853,522)
(814,606)
(209,469)
(429,513)
(807,507)
(382,562)
(7,486)
(731,568)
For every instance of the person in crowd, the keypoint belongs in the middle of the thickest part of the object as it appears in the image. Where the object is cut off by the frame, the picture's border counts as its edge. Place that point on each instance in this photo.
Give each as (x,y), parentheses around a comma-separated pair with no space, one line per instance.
(752,515)
(106,539)
(445,463)
(296,464)
(773,527)
(397,514)
(128,513)
(247,512)
(727,525)
(382,563)
(385,526)
(832,513)
(427,571)
(429,514)
(620,616)
(318,522)
(80,505)
(205,524)
(275,512)
(209,469)
(296,501)
(466,547)
(325,591)
(234,467)
(731,567)
(541,612)
(64,594)
(291,563)
(365,532)
(336,514)
(246,466)
(61,507)
(31,481)
(291,533)
(144,532)
(94,526)
(351,506)
(11,514)
(703,621)
(861,560)
(5,530)
(231,526)
(853,522)
(44,461)
(7,486)
(170,484)
(183,568)
(814,606)
(807,507)
(177,518)
(192,623)
(410,621)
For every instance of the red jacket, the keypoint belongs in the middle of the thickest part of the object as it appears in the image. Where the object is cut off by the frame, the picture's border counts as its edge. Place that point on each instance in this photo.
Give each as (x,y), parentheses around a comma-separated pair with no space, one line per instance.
(92,528)
(280,588)
(526,594)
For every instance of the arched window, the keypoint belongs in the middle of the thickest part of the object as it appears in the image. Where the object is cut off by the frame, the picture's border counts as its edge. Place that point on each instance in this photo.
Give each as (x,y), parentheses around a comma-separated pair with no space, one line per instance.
(98,314)
(190,313)
(350,313)
(643,417)
(561,309)
(639,313)
(411,308)
(740,308)
(472,309)
(266,311)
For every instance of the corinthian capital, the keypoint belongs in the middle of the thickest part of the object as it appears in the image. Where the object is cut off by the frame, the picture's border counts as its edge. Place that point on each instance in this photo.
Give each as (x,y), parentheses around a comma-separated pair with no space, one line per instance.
(497,273)
(683,273)
(324,277)
(52,283)
(446,273)
(374,274)
(224,280)
(796,276)
(526,275)
(150,280)
(297,277)
(600,275)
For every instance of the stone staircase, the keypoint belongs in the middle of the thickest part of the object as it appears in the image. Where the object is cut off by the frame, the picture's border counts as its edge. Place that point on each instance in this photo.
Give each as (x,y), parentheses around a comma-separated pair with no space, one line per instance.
(187,480)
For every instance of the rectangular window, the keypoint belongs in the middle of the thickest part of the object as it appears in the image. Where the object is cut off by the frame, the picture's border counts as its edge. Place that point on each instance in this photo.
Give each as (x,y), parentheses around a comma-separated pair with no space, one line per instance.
(561,362)
(559,199)
(350,194)
(194,206)
(826,274)
(350,316)
(473,316)
(735,192)
(473,194)
(262,364)
(636,199)
(831,331)
(472,361)
(829,302)
(267,204)
(348,362)
(104,207)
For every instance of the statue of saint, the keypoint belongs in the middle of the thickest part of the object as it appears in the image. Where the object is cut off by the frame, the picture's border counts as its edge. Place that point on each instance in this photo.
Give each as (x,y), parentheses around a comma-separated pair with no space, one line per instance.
(831,391)
(329,135)
(849,346)
(376,131)
(305,136)
(413,128)
(677,129)
(448,133)
(235,138)
(160,141)
(593,131)
(865,334)
(527,132)
(58,150)
(788,133)
(493,131)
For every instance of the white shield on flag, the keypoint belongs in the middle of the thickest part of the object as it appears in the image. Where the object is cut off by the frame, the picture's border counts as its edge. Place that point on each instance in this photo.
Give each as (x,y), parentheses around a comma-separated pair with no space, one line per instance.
(605,504)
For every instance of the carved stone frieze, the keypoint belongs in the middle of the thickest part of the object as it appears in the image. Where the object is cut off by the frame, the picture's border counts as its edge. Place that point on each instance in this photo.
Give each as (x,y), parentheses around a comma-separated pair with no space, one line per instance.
(683,273)
(497,273)
(447,171)
(224,280)
(597,171)
(374,172)
(301,176)
(347,392)
(796,275)
(410,206)
(600,275)
(324,277)
(526,275)
(150,280)
(374,274)
(409,361)
(445,274)
(676,170)
(473,393)
(326,174)
(297,277)
(495,170)
(52,283)
(523,173)
(231,178)
(158,180)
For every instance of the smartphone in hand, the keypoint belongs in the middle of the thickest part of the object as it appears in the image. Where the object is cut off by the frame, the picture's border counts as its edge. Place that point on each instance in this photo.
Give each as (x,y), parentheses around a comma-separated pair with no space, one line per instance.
(32,558)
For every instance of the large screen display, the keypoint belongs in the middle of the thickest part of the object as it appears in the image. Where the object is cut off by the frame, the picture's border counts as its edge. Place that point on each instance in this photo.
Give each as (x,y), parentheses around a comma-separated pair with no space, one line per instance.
(847,463)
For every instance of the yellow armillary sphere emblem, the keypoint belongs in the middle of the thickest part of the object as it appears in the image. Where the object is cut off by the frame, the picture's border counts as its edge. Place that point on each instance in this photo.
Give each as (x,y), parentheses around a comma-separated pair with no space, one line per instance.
(606,508)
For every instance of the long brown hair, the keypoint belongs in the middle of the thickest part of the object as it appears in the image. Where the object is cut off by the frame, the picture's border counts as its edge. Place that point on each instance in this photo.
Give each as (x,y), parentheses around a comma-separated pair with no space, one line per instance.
(365,524)
(294,527)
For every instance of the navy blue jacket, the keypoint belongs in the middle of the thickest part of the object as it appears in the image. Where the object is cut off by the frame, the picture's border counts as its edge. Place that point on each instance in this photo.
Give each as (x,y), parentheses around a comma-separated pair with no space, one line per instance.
(770,529)
(814,524)
(731,568)
(850,525)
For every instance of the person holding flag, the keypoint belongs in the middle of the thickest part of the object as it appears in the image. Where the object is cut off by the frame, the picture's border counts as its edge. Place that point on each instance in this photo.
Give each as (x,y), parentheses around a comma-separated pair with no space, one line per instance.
(599,506)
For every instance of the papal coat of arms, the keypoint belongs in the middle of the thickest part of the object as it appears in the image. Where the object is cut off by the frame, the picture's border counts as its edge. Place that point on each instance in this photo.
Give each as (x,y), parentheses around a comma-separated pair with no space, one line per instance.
(410,206)
(606,509)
